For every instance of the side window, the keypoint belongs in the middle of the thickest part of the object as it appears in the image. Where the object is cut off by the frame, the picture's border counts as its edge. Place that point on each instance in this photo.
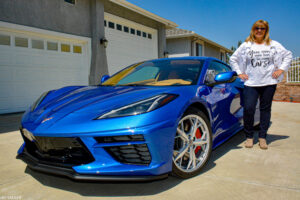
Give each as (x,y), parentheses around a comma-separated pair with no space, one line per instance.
(214,69)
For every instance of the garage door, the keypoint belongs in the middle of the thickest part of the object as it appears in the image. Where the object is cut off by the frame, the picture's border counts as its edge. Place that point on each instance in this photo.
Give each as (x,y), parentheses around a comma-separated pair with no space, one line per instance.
(128,42)
(32,62)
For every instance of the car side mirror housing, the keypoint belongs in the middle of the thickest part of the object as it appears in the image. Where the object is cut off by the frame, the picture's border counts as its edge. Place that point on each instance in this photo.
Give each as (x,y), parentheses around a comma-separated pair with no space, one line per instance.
(104,78)
(225,77)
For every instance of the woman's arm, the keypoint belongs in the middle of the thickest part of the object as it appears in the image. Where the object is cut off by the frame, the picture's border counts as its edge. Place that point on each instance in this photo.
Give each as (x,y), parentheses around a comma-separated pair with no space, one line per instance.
(286,57)
(236,61)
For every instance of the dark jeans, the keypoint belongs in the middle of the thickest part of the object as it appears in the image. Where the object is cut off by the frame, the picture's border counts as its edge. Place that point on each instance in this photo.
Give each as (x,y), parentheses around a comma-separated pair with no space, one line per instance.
(251,95)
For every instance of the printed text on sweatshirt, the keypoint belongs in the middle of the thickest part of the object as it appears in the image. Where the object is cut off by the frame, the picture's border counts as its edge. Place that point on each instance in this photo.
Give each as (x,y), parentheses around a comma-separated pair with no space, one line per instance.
(259,61)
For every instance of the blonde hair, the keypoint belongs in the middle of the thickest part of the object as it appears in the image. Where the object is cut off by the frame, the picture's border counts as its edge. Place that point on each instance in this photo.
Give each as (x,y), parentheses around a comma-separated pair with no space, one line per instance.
(251,37)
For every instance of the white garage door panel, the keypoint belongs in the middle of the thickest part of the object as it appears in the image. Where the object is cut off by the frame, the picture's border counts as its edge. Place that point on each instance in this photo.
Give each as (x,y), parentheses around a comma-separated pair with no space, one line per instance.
(125,48)
(25,72)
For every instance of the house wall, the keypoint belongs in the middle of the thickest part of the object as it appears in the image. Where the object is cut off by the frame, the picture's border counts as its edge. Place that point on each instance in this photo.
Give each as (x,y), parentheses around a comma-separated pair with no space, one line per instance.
(85,18)
(162,41)
(54,15)
(179,47)
(138,18)
(99,65)
(211,51)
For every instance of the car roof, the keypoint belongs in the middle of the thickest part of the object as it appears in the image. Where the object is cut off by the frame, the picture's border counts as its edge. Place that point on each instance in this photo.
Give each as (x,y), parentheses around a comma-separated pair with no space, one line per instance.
(186,58)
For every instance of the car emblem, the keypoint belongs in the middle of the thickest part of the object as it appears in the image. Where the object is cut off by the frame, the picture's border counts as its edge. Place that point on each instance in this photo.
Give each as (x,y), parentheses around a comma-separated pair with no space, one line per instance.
(47,119)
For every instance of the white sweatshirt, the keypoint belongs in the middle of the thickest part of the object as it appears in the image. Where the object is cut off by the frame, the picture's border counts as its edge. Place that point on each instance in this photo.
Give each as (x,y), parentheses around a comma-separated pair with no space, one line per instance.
(259,61)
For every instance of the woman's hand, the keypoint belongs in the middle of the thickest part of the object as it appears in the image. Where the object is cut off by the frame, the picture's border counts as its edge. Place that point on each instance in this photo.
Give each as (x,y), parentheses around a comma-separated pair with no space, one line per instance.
(243,77)
(277,73)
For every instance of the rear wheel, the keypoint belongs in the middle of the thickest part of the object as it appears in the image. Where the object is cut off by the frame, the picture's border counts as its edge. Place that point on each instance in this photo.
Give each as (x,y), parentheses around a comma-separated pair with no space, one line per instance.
(193,144)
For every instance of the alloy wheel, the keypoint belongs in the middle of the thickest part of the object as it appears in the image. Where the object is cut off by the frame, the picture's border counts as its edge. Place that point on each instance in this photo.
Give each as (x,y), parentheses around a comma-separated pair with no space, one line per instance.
(192,143)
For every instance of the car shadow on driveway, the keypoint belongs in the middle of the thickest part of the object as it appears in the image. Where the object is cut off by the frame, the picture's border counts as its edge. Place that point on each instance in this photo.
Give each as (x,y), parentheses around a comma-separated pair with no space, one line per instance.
(231,144)
(235,143)
(117,189)
(105,189)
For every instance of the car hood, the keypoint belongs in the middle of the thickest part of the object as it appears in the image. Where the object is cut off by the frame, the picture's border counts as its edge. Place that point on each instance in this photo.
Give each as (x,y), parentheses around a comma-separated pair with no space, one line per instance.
(90,102)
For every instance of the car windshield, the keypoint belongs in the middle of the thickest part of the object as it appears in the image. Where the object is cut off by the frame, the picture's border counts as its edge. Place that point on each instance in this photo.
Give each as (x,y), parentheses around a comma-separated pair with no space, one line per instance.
(158,73)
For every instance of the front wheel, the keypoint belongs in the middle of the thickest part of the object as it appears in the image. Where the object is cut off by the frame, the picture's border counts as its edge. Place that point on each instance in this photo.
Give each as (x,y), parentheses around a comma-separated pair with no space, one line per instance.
(193,144)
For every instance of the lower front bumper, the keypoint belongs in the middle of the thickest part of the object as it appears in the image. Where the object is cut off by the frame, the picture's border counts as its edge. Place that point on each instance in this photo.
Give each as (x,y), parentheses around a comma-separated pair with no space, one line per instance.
(34,164)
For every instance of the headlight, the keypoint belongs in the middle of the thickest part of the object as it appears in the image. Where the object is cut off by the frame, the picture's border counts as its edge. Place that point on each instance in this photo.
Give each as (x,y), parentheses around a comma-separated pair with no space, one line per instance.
(39,100)
(140,107)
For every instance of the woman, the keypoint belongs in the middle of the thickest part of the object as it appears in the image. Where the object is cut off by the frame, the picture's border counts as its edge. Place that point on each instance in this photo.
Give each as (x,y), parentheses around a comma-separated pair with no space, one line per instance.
(261,63)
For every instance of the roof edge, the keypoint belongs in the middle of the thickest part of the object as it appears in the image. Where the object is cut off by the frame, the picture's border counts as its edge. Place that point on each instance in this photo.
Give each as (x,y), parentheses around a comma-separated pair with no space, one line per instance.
(193,34)
(130,6)
(214,43)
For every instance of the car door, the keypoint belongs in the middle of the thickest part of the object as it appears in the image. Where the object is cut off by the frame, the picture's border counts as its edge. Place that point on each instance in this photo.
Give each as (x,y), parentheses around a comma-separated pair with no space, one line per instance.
(225,102)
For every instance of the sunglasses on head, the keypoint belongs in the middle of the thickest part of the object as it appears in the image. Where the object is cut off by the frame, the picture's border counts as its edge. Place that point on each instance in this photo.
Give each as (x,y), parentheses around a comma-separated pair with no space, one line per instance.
(260,28)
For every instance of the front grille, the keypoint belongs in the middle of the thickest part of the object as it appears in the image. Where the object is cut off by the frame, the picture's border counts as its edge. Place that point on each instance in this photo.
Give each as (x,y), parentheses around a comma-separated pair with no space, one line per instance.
(66,152)
(137,154)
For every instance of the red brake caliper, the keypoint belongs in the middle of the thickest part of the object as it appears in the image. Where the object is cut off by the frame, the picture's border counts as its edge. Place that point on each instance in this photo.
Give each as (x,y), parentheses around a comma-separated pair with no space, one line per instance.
(198,136)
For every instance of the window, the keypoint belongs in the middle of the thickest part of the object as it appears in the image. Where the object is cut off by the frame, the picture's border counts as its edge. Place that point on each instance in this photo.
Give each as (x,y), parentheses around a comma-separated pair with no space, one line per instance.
(21,42)
(132,31)
(156,73)
(111,25)
(199,49)
(37,44)
(126,29)
(77,49)
(4,40)
(144,34)
(119,27)
(65,48)
(71,1)
(145,73)
(222,56)
(52,46)
(105,23)
(214,69)
(149,36)
(139,33)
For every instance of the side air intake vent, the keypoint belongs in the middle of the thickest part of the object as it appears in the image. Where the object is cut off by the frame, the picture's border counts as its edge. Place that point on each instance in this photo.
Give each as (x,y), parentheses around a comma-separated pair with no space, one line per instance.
(137,154)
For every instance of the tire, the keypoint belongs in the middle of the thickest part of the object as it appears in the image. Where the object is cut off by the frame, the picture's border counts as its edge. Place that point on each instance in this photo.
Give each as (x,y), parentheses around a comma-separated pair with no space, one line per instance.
(192,147)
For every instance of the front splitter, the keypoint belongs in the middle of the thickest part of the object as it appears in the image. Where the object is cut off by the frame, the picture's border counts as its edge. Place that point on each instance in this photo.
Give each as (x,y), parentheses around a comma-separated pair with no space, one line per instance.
(34,164)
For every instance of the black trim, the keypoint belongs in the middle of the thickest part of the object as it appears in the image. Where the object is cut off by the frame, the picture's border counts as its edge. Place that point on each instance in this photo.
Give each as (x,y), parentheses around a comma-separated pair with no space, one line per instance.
(70,173)
(119,138)
(137,154)
(58,151)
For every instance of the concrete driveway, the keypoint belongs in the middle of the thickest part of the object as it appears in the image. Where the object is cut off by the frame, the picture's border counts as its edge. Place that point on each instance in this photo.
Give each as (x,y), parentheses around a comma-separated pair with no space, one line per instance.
(233,171)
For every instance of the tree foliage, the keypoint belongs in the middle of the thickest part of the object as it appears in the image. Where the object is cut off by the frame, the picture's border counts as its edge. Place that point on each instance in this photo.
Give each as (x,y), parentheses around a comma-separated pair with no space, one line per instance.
(232,48)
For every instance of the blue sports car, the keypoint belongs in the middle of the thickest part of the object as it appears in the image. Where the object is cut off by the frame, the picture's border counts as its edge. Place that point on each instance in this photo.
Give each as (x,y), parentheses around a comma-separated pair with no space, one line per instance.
(151,119)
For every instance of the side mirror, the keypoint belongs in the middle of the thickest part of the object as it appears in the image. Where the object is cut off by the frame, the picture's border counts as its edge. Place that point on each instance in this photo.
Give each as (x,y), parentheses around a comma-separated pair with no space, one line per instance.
(225,77)
(104,78)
